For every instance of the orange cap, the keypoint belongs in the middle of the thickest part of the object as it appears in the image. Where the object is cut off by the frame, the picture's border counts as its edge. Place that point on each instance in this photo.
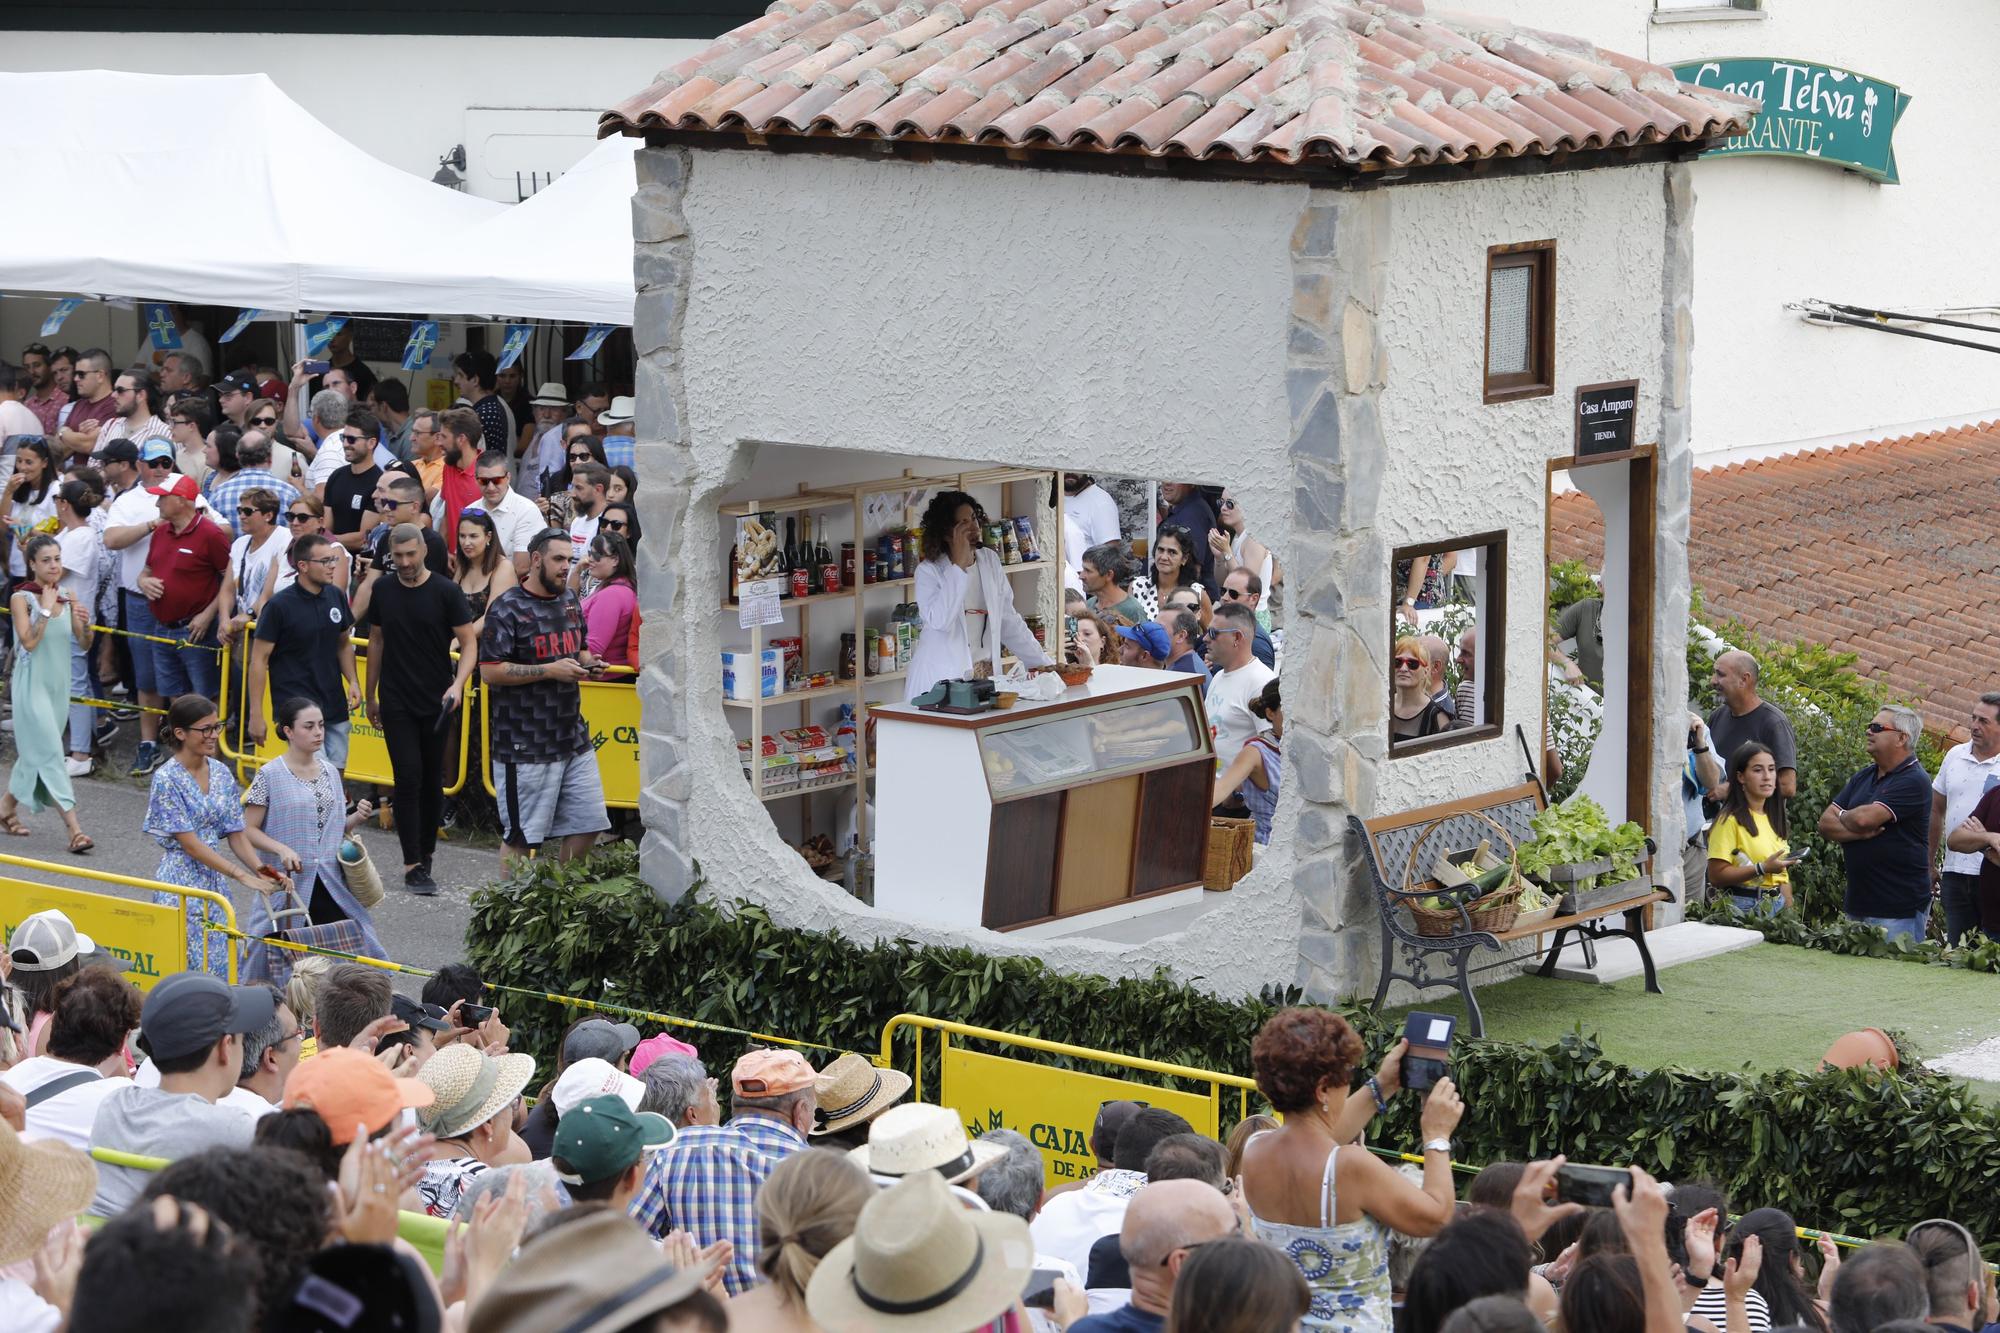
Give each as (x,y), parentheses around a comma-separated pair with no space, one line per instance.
(347,1087)
(771,1073)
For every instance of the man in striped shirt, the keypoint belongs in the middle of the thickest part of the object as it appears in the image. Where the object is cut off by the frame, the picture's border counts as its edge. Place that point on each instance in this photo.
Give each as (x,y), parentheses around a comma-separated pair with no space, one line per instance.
(705,1182)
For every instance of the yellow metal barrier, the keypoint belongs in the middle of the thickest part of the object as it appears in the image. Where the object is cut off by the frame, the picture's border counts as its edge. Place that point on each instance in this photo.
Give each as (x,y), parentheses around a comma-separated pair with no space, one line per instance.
(152,939)
(367,751)
(1055,1108)
(424,1232)
(611,712)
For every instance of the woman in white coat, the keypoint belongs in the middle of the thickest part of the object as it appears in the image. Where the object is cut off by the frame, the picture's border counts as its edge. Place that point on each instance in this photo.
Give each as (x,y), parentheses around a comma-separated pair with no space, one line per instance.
(965,600)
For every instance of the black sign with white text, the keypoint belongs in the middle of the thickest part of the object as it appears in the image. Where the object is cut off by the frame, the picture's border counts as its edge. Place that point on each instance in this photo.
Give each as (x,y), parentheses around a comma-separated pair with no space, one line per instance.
(1605,414)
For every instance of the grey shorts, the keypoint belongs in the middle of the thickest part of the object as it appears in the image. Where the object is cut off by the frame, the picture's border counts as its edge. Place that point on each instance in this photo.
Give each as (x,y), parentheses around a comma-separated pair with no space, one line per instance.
(542,801)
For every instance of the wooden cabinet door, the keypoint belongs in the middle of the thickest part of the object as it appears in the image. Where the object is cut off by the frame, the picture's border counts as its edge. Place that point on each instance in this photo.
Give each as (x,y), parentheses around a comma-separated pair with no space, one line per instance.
(1173,826)
(1021,860)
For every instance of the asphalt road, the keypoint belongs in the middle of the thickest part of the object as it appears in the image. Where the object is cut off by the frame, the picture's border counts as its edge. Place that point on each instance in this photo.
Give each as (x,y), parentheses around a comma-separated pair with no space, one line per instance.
(425,932)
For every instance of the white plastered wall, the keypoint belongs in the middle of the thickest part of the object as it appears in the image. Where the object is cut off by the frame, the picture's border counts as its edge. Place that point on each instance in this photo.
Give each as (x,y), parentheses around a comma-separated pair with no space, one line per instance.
(1455,466)
(983,315)
(1774,230)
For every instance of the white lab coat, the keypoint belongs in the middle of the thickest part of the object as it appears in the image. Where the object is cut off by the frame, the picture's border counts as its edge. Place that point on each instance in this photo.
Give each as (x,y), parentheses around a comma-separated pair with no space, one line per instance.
(941,651)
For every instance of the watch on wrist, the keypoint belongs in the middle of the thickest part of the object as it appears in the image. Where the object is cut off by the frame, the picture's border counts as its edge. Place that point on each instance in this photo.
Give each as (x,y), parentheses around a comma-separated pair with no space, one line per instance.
(1438,1145)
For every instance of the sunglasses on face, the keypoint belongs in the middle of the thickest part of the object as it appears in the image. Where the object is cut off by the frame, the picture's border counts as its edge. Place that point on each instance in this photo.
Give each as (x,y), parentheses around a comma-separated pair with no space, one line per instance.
(1876,728)
(244,511)
(581,458)
(500,480)
(264,421)
(610,526)
(1228,503)
(298,518)
(1231,595)
(348,439)
(1409,663)
(385,504)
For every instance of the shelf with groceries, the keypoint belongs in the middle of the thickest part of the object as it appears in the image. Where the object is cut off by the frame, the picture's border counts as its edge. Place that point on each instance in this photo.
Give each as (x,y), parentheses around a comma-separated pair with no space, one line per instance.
(821,620)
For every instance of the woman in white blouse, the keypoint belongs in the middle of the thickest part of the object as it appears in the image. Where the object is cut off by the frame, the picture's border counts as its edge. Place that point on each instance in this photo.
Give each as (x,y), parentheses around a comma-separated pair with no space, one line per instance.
(965,601)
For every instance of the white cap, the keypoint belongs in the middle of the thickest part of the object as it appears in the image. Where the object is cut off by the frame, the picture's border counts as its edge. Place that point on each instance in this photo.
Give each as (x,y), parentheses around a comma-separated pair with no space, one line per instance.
(595,1078)
(50,940)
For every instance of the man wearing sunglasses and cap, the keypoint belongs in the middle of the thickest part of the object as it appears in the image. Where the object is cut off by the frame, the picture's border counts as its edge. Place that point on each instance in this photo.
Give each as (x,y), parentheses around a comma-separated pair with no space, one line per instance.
(192,1028)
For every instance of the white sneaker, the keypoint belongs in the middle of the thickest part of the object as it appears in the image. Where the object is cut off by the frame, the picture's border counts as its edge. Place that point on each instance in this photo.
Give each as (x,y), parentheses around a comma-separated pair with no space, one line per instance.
(78,768)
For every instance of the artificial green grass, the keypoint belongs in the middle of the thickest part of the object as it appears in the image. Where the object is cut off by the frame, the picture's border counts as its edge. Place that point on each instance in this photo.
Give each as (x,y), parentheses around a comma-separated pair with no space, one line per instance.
(1771,1006)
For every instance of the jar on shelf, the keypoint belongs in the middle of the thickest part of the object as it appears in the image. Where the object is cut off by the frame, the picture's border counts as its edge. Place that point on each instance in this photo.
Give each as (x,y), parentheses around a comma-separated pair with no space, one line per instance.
(847,664)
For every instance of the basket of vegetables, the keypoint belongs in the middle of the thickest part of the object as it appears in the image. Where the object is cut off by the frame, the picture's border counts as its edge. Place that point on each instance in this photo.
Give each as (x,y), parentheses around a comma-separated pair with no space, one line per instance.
(1583,859)
(1486,900)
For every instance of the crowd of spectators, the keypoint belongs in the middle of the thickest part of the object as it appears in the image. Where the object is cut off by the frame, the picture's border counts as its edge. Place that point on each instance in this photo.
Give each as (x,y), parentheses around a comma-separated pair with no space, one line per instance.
(287,519)
(244,1158)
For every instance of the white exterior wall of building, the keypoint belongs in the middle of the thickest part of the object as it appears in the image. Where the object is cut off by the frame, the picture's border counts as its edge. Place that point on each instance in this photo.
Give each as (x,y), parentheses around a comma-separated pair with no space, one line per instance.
(1774,230)
(1455,466)
(1321,351)
(984,316)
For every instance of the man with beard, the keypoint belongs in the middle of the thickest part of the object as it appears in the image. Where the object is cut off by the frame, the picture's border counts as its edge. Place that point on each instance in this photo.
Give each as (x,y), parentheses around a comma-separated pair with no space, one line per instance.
(45,398)
(458,485)
(532,655)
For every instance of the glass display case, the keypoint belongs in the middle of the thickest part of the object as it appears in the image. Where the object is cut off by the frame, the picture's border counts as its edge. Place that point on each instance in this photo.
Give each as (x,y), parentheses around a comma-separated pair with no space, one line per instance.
(1040,753)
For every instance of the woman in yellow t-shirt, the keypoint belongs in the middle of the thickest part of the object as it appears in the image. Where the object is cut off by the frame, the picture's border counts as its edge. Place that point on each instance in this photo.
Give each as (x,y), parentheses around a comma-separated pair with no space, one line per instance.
(1747,851)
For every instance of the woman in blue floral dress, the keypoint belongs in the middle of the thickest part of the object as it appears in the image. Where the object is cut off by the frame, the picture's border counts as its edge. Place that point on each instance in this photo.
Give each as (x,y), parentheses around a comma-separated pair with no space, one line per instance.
(195,806)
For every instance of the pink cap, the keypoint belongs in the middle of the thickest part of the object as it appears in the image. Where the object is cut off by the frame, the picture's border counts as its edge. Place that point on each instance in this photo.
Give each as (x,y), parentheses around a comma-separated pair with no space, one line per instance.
(652,1048)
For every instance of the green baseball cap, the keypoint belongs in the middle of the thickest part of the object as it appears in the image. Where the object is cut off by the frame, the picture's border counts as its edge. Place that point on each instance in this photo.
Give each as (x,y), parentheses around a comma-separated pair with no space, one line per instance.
(602,1136)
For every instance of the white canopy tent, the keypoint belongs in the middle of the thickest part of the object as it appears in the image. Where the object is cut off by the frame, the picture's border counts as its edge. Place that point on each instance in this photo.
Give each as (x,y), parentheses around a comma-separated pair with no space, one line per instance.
(220,190)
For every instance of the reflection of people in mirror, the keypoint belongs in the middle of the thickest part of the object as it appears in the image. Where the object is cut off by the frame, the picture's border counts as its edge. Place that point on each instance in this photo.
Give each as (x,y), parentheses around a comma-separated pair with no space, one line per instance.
(1414,711)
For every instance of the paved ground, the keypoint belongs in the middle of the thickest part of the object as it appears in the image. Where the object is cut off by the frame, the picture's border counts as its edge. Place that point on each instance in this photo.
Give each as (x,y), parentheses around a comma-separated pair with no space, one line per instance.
(425,932)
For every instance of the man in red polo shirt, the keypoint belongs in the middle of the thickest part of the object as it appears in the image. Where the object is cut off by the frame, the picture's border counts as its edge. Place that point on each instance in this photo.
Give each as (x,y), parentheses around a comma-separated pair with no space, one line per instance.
(182,583)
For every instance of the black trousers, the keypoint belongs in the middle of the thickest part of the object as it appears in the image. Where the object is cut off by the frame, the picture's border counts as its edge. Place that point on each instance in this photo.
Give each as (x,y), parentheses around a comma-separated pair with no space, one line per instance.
(416,757)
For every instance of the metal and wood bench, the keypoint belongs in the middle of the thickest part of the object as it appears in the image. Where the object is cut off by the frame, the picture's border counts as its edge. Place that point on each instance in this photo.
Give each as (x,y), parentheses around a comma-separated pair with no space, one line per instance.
(1414,958)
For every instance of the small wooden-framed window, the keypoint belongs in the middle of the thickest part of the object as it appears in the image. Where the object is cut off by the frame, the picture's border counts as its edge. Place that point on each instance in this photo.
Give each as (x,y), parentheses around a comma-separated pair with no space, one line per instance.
(1520,321)
(1450,616)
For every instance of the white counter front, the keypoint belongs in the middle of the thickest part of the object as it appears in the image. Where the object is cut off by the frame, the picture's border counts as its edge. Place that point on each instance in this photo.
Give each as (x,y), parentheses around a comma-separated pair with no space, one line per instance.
(1096,801)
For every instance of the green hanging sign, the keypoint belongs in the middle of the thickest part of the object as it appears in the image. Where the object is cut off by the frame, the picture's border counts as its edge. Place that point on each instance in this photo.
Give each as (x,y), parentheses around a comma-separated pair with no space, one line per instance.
(1820,112)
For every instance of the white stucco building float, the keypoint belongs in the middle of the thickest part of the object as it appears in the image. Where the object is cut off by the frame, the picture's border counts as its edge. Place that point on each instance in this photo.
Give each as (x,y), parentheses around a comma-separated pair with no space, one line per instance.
(1354,259)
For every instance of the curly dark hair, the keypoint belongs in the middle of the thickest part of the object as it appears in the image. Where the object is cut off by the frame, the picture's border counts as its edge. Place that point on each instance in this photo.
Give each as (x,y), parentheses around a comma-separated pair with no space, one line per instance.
(941,515)
(273,1198)
(1297,1052)
(95,1011)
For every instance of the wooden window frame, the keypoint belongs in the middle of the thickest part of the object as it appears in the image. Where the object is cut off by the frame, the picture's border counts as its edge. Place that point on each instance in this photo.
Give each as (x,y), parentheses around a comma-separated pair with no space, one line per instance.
(1539,379)
(1493,630)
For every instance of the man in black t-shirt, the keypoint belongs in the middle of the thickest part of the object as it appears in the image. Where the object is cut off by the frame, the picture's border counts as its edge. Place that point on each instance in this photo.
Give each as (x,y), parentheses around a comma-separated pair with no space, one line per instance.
(305,644)
(349,494)
(413,686)
(531,655)
(399,498)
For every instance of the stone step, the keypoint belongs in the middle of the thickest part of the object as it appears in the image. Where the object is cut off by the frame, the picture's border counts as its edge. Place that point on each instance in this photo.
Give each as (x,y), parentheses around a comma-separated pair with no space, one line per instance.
(1618,958)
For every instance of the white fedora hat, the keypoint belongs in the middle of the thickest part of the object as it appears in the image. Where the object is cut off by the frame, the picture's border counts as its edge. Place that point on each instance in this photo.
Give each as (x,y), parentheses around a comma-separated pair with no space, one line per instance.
(917,1138)
(921,1262)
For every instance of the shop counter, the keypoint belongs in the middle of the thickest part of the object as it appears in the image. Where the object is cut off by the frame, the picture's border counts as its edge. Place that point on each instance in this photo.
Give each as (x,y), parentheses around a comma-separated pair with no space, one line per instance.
(1046,816)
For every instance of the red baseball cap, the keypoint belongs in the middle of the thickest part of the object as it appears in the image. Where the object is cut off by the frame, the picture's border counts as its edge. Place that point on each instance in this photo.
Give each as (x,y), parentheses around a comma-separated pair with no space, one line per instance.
(347,1087)
(183,486)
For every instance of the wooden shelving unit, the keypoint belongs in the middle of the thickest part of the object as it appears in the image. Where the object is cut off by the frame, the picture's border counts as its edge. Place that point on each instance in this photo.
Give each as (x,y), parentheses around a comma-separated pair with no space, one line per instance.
(1021,491)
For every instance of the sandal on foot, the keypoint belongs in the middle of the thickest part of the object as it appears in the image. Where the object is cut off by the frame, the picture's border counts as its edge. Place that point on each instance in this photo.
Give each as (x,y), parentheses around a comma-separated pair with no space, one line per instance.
(80,843)
(11,823)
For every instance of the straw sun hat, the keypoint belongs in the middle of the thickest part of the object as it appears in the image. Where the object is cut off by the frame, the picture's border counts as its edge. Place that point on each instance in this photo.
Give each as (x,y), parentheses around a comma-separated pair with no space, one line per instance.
(43,1183)
(851,1090)
(472,1087)
(919,1138)
(919,1261)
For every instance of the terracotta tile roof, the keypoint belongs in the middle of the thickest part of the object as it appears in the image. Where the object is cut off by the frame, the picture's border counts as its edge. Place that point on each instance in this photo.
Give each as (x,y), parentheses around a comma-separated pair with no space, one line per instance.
(1888,549)
(1359,83)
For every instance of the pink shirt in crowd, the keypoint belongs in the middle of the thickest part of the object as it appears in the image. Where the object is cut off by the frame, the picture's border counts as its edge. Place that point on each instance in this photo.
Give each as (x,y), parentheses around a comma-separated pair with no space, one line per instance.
(607,622)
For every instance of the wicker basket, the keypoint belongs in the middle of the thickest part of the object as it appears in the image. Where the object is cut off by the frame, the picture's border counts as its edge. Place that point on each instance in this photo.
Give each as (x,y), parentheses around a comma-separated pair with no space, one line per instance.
(1492,913)
(1229,855)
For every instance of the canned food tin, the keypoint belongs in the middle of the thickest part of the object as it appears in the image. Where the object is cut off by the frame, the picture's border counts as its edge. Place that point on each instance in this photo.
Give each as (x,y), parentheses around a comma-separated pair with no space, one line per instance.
(802,584)
(868,567)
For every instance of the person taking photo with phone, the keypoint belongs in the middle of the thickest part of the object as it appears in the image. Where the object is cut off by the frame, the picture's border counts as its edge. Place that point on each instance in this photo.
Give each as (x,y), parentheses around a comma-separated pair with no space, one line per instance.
(1748,854)
(1316,1193)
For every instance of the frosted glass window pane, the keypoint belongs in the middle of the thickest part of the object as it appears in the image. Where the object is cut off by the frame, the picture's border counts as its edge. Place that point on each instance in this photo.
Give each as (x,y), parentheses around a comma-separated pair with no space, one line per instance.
(1509,295)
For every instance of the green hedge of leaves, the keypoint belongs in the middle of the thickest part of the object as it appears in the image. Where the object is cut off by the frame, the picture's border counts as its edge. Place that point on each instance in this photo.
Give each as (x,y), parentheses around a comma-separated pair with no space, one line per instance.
(1846,1150)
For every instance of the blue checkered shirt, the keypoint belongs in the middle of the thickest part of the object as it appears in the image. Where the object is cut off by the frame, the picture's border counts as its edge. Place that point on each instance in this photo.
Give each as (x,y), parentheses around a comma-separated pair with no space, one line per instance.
(705,1183)
(224,495)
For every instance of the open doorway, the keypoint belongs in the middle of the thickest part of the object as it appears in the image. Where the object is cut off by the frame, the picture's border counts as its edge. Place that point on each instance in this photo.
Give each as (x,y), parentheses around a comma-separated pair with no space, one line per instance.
(1604,727)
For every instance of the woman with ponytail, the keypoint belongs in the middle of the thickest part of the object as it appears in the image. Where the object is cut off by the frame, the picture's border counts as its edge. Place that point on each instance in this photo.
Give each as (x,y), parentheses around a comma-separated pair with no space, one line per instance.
(807,1207)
